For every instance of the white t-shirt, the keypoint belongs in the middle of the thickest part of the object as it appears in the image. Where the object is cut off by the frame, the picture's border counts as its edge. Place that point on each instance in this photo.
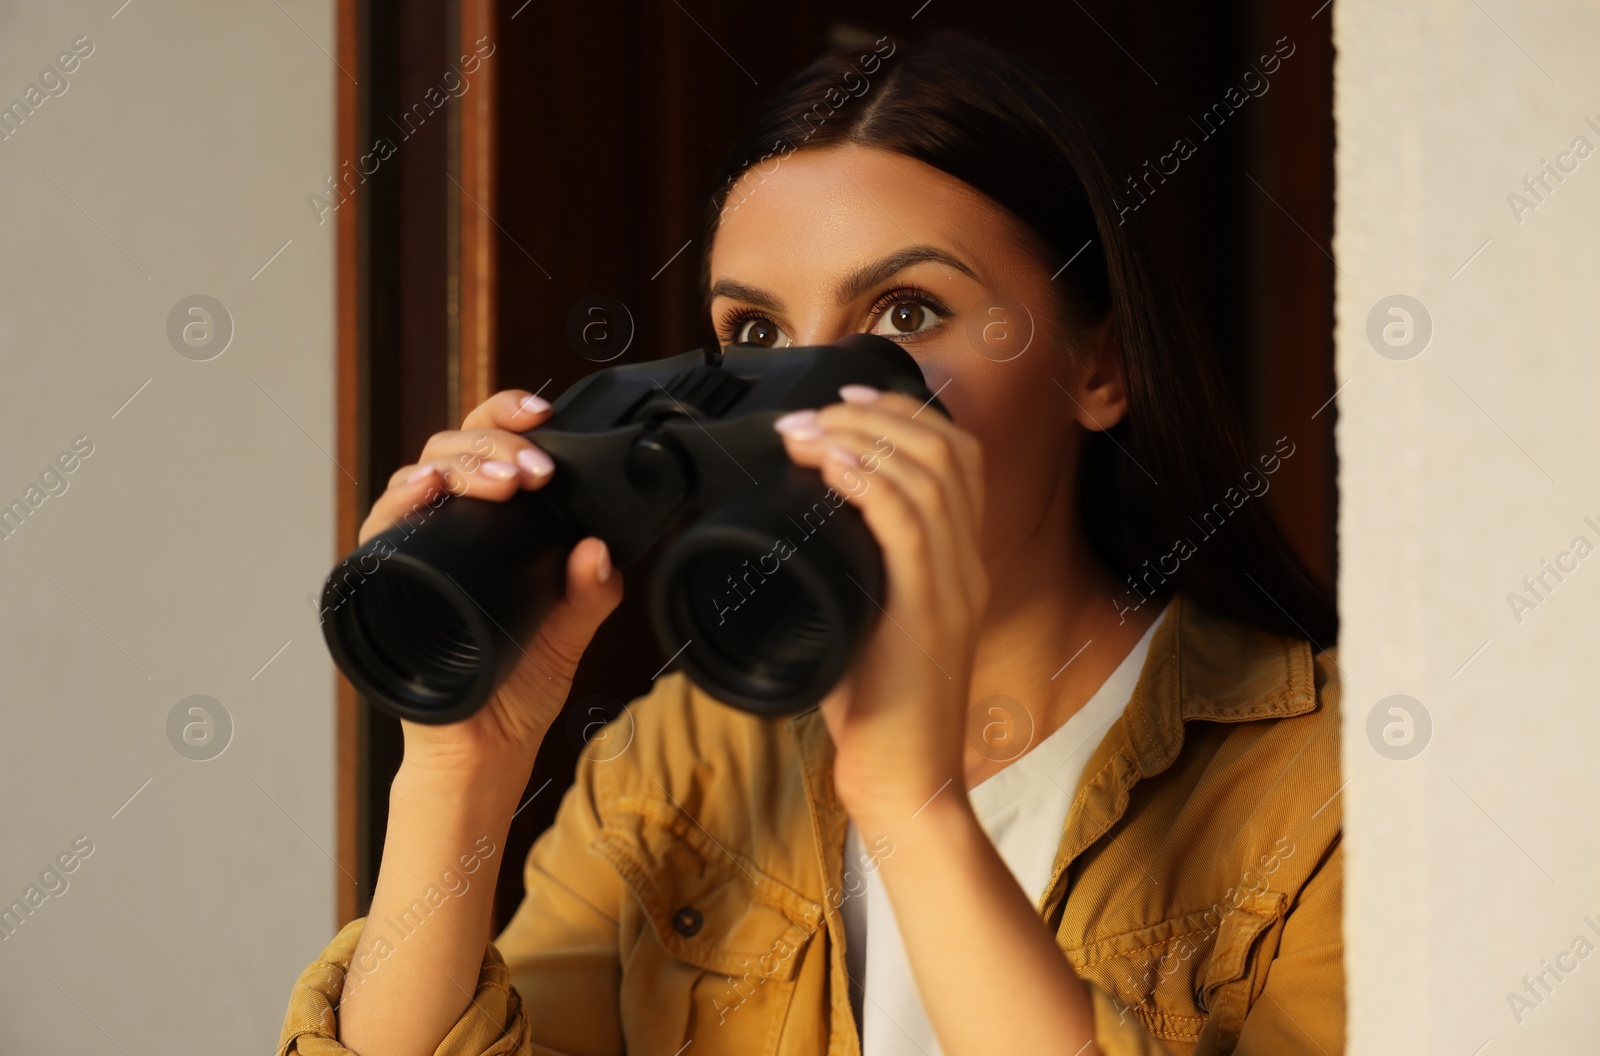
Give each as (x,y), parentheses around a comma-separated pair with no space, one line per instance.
(1023,809)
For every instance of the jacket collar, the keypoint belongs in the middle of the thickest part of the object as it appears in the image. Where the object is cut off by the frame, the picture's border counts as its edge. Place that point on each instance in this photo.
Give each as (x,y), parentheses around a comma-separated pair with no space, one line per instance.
(1208,667)
(1201,666)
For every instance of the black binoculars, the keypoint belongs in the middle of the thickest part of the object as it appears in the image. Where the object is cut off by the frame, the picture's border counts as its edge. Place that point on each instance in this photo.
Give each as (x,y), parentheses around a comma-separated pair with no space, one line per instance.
(763,596)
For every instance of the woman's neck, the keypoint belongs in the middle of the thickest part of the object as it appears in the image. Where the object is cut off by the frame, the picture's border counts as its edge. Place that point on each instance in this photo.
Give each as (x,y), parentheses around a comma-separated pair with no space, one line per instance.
(1053,633)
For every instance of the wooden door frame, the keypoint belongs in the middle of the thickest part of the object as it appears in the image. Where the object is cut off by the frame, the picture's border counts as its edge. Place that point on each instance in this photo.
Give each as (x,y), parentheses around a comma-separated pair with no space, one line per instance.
(349,406)
(468,362)
(471,210)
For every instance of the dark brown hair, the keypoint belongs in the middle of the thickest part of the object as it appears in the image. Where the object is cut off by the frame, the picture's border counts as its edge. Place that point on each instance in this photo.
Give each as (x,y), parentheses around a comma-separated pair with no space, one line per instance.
(957,102)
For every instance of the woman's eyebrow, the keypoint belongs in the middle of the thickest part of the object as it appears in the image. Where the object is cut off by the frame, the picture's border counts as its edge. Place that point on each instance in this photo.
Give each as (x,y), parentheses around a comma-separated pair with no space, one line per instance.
(869,275)
(853,284)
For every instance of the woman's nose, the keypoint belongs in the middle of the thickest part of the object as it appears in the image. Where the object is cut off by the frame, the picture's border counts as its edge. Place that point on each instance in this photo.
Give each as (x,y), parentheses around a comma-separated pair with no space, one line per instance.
(824,332)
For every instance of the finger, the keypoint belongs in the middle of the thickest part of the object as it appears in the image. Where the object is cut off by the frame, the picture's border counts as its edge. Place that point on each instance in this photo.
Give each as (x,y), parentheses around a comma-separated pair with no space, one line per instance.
(945,507)
(480,478)
(431,481)
(912,538)
(406,474)
(938,488)
(911,406)
(938,441)
(594,590)
(962,451)
(835,706)
(541,682)
(950,526)
(461,451)
(515,410)
(412,500)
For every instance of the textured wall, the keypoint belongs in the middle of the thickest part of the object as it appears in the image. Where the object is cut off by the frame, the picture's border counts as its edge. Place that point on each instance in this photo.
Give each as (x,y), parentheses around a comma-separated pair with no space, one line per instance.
(1467,472)
(170,156)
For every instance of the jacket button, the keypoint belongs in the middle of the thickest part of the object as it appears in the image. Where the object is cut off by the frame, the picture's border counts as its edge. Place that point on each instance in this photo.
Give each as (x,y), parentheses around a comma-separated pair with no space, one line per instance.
(687,920)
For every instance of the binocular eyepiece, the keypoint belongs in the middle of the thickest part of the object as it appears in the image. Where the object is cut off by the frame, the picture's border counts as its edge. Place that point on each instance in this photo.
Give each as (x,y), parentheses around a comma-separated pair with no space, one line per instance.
(763,596)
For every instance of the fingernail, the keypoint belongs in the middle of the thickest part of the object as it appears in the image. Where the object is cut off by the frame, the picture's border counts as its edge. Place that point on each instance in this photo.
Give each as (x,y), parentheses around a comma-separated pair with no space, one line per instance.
(842,456)
(534,405)
(420,473)
(536,462)
(799,424)
(858,393)
(499,470)
(602,570)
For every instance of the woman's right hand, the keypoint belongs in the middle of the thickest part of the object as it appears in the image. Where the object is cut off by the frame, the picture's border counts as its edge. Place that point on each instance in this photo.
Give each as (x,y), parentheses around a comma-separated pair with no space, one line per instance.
(488,458)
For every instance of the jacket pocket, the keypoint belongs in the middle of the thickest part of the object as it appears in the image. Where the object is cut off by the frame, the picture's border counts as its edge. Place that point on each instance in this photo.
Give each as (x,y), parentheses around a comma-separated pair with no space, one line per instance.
(719,943)
(1176,975)
(1234,974)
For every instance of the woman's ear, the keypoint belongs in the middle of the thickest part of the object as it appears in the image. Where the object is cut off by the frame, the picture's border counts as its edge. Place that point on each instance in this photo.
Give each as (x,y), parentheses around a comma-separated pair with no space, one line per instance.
(1097,388)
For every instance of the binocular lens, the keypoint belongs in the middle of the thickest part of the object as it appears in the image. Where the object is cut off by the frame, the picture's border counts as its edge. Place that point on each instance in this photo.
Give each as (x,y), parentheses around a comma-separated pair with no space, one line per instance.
(428,619)
(415,634)
(772,633)
(767,598)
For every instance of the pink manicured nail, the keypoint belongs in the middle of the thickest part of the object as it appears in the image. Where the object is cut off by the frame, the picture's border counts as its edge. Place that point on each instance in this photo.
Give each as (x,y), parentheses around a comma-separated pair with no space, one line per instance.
(536,462)
(602,570)
(499,470)
(802,425)
(858,393)
(842,456)
(420,473)
(533,404)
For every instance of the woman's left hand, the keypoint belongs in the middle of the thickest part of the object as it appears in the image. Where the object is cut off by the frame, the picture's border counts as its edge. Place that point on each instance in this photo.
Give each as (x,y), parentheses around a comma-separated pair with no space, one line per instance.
(899,721)
(898,718)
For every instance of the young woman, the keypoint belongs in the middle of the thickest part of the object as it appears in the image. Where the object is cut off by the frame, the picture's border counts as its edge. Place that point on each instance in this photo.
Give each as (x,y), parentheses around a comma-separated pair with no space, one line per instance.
(1077,795)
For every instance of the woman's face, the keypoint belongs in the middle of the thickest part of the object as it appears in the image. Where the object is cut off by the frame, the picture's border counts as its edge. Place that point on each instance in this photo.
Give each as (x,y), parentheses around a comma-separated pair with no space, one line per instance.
(849,239)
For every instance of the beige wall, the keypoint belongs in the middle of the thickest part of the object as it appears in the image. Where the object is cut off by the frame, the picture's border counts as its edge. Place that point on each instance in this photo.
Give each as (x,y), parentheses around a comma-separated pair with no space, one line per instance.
(1475,862)
(176,561)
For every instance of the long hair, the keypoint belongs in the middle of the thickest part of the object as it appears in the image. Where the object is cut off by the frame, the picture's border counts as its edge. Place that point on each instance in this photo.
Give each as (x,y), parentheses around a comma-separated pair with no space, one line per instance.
(1168,485)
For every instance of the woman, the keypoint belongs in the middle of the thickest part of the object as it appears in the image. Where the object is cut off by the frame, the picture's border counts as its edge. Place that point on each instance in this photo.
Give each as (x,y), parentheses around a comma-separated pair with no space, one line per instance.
(1076,796)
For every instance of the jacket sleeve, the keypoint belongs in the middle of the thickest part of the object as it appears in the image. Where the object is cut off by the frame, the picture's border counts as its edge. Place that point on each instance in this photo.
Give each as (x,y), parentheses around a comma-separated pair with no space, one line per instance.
(561,945)
(493,1025)
(1301,1009)
(548,984)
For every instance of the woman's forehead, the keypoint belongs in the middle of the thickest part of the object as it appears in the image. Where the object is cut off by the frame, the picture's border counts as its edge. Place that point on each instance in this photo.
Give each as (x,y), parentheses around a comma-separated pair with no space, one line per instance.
(819,214)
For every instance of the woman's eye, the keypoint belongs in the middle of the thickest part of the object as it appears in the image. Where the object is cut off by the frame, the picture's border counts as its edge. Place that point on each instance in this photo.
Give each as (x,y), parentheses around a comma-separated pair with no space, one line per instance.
(905,317)
(758,330)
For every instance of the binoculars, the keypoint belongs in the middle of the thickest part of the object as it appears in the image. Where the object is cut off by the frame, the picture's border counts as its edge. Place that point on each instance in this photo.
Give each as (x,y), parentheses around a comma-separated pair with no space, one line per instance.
(763,597)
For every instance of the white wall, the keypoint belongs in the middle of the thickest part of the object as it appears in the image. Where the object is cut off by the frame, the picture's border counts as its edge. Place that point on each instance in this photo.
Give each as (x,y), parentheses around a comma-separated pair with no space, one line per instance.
(1476,862)
(177,560)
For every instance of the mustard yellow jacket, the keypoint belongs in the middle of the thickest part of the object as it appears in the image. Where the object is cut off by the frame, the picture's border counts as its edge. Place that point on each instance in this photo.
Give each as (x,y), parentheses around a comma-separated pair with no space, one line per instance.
(686,898)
